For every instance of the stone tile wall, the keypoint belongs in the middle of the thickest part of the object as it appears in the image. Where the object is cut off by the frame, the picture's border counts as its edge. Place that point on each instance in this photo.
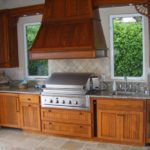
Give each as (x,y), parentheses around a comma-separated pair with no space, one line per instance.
(97,66)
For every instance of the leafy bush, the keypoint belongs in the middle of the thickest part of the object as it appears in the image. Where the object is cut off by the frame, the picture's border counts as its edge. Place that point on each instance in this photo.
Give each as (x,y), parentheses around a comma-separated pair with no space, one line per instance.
(128,49)
(35,67)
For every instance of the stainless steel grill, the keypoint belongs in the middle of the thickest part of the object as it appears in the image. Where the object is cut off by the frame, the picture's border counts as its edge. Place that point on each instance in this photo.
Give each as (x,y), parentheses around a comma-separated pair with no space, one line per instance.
(66,90)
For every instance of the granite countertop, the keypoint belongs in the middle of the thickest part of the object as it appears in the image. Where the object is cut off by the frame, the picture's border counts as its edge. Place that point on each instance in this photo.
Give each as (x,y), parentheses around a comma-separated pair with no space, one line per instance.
(109,94)
(19,91)
(95,94)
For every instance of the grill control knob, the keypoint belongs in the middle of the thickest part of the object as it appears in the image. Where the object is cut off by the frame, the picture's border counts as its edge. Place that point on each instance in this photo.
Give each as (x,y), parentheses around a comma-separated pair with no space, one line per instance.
(77,103)
(57,101)
(70,102)
(63,102)
(51,101)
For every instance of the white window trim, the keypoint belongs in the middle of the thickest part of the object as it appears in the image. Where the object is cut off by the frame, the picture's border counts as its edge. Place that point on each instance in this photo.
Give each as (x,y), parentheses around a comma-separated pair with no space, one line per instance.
(26,56)
(143,77)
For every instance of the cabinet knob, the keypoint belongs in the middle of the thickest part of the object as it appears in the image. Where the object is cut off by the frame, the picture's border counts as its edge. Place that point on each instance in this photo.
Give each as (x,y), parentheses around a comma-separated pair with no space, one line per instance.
(49,110)
(29,99)
(29,105)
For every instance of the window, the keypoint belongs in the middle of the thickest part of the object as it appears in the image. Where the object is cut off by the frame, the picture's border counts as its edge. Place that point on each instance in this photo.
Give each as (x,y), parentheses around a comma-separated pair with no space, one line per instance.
(127,46)
(35,68)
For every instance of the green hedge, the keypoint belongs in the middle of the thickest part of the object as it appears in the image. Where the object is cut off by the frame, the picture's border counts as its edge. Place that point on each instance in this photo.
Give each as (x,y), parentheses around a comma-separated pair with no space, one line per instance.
(35,67)
(128,49)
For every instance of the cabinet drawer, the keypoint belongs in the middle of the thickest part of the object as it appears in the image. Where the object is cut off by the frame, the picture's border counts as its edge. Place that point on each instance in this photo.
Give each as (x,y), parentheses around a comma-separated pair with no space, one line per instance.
(29,98)
(66,129)
(121,104)
(67,116)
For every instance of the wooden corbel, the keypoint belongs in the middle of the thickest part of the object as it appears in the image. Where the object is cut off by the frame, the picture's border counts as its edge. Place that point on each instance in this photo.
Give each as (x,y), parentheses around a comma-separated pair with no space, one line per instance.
(142,9)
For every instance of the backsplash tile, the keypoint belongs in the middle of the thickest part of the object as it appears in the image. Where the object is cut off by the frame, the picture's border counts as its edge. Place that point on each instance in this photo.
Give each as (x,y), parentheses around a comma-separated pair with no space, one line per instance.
(97,66)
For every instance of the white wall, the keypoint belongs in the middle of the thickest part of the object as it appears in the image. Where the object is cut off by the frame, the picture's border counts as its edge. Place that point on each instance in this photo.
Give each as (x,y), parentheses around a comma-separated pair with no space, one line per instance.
(2,4)
(99,66)
(21,3)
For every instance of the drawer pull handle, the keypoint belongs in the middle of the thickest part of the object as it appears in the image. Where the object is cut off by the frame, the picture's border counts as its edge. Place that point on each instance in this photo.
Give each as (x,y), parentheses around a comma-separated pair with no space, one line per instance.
(81,126)
(49,110)
(50,123)
(29,99)
(17,105)
(29,105)
(81,113)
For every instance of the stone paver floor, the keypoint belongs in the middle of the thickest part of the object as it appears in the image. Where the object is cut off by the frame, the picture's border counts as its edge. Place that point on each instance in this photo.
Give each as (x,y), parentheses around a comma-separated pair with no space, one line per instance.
(12,139)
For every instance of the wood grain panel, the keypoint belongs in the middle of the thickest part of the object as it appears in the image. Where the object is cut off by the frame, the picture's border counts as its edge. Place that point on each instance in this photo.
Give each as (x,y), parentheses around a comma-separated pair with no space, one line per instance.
(61,55)
(30,98)
(67,36)
(8,41)
(121,120)
(121,104)
(9,110)
(66,129)
(108,3)
(30,117)
(13,42)
(68,9)
(67,116)
(4,53)
(148,122)
(107,125)
(133,127)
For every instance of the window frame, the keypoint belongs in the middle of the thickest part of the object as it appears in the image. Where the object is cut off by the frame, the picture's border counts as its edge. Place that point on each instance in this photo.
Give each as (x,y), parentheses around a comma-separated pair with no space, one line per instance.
(143,77)
(26,54)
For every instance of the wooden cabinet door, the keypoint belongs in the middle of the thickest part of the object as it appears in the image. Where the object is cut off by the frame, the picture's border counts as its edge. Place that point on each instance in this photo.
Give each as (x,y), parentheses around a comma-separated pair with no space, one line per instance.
(148,122)
(3,39)
(107,125)
(66,129)
(133,127)
(30,116)
(8,41)
(10,110)
(12,42)
(121,120)
(126,127)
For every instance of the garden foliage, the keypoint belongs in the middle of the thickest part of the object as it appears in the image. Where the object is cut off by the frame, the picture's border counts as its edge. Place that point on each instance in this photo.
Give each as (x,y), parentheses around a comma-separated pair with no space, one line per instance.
(128,49)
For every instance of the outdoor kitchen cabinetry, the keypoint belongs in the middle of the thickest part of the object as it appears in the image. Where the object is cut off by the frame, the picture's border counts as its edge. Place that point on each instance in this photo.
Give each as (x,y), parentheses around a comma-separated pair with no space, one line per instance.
(30,112)
(9,110)
(8,40)
(66,122)
(148,122)
(121,120)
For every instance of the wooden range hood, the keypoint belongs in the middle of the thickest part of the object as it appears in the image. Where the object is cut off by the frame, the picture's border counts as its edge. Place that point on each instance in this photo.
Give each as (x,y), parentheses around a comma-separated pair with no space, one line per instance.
(70,29)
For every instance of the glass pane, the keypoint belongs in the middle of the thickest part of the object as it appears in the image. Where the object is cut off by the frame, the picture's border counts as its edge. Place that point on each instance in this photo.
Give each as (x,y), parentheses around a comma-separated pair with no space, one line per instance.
(128,46)
(35,67)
